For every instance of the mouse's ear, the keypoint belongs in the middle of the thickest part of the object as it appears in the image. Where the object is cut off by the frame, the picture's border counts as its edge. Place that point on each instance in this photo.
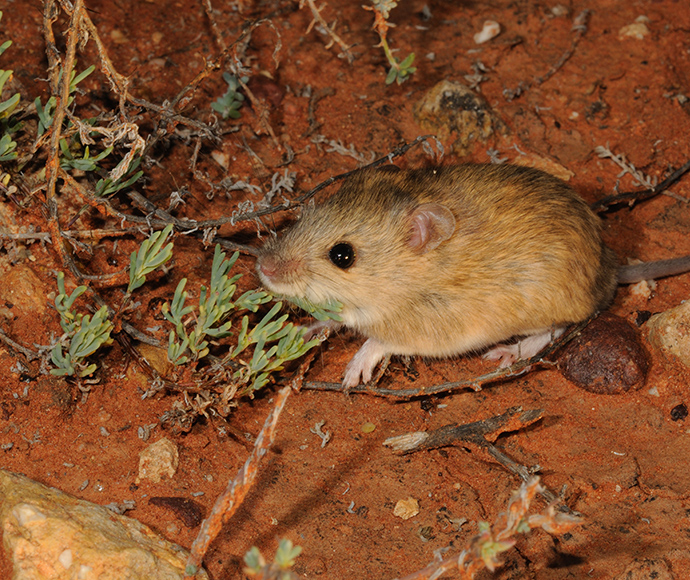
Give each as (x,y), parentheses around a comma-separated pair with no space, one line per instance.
(430,225)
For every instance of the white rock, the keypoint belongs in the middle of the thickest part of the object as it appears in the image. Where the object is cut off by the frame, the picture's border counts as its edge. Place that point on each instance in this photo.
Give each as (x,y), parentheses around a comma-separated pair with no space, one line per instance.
(670,331)
(491,30)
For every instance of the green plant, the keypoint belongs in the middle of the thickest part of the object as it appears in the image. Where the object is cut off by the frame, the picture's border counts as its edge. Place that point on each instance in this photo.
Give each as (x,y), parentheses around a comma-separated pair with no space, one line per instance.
(84,163)
(290,345)
(85,335)
(150,256)
(279,569)
(484,549)
(107,186)
(45,114)
(228,105)
(7,145)
(215,303)
(213,320)
(7,148)
(399,71)
(327,311)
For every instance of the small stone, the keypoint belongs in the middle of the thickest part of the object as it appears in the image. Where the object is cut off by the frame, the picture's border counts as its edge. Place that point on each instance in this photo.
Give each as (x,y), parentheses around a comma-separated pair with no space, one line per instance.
(119,37)
(406,508)
(670,332)
(638,30)
(679,412)
(607,358)
(157,460)
(452,110)
(491,29)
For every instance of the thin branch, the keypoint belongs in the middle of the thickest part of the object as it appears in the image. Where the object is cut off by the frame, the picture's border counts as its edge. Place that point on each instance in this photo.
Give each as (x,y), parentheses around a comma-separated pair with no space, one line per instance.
(478,436)
(28,353)
(631,197)
(61,101)
(330,30)
(158,218)
(519,368)
(236,491)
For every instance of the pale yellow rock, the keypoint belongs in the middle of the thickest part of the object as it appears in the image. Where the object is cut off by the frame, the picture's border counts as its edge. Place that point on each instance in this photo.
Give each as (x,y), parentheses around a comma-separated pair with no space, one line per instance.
(406,508)
(670,331)
(637,30)
(158,459)
(50,535)
(24,290)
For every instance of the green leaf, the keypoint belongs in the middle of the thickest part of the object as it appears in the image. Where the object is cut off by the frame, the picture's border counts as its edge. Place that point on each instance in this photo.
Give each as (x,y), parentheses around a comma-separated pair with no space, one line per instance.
(6,107)
(405,64)
(7,148)
(254,560)
(150,256)
(176,350)
(326,311)
(76,80)
(286,554)
(391,76)
(5,45)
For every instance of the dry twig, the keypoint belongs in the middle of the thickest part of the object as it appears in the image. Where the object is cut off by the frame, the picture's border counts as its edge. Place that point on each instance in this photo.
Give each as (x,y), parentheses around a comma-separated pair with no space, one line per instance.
(631,197)
(237,489)
(330,30)
(479,436)
(519,368)
(60,88)
(493,540)
(580,29)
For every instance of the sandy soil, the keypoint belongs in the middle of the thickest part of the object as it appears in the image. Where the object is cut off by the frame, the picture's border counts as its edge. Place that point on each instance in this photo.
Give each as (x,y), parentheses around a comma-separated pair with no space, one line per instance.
(620,460)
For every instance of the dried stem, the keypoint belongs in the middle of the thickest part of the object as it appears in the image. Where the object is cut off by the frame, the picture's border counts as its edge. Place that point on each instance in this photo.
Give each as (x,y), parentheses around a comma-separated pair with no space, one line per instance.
(580,29)
(519,368)
(237,489)
(493,540)
(158,218)
(330,30)
(631,197)
(61,92)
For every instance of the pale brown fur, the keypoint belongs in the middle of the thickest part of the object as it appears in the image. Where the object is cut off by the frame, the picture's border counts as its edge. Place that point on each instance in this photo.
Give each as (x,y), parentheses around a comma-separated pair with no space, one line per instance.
(526,255)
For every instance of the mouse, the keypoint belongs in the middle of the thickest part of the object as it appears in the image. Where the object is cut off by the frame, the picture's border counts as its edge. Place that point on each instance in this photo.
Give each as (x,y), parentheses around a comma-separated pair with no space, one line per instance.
(443,261)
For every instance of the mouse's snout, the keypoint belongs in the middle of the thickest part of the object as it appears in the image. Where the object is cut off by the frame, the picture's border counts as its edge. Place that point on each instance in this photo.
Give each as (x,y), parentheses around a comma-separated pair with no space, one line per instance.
(279,274)
(267,266)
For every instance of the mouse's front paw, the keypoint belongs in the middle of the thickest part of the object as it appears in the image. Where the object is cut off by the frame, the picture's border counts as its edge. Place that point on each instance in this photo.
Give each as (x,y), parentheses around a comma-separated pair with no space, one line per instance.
(362,365)
(505,354)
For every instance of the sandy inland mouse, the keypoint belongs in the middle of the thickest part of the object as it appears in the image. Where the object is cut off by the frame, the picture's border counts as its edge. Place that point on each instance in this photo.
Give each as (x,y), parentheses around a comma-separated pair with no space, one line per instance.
(442,261)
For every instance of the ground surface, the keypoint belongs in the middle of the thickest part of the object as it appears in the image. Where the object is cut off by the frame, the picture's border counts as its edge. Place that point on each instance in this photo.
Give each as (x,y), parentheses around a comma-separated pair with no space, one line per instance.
(622,460)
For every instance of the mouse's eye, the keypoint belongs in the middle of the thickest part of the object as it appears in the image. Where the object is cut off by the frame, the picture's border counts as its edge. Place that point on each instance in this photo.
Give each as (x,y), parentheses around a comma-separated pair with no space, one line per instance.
(342,255)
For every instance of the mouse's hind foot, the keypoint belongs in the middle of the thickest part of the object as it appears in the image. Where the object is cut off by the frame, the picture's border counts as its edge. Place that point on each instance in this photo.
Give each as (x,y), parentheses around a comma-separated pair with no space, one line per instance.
(508,354)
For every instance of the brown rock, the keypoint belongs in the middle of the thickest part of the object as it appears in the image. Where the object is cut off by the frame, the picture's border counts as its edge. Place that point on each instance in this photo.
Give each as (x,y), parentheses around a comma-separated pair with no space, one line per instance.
(451,110)
(607,358)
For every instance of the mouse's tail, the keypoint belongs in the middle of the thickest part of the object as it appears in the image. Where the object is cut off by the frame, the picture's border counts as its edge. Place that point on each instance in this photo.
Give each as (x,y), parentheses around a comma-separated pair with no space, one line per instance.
(653,270)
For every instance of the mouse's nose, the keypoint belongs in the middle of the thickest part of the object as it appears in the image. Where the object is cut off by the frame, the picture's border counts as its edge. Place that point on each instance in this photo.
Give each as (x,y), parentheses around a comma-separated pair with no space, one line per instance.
(267,266)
